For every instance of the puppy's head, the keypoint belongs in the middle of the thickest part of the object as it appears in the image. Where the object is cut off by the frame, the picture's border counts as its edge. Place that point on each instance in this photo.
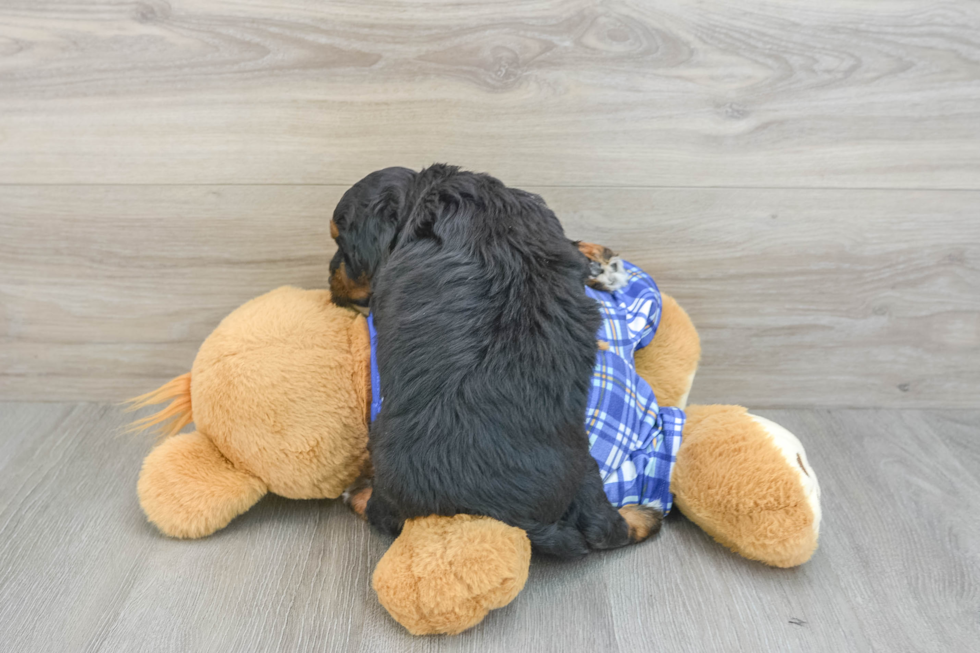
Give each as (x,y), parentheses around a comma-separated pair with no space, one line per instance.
(365,225)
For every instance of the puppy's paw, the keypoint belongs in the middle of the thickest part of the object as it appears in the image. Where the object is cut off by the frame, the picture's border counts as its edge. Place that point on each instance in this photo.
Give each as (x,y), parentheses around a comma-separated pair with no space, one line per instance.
(644,521)
(610,276)
(606,270)
(356,497)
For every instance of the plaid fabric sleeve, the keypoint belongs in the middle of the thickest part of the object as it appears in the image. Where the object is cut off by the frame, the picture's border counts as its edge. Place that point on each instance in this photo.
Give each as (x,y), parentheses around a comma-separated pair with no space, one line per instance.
(634,441)
(631,315)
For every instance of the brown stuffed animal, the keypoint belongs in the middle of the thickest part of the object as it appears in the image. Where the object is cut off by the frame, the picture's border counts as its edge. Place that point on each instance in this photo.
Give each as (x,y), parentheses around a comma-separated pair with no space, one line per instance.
(279,394)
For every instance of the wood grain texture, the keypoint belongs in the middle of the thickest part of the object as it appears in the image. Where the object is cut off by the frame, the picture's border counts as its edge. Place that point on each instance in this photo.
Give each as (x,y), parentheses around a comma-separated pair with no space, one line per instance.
(760,93)
(817,297)
(898,567)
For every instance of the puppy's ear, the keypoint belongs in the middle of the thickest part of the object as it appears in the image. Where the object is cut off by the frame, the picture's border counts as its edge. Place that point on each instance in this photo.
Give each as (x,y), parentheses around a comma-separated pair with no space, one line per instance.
(432,202)
(375,236)
(426,214)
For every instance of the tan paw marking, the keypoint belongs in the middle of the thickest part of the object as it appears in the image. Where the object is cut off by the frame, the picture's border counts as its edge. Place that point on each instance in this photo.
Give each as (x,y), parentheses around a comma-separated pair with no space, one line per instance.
(643,521)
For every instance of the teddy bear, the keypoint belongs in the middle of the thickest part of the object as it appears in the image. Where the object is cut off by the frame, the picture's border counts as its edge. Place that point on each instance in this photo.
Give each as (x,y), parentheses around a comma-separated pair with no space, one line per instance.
(281,397)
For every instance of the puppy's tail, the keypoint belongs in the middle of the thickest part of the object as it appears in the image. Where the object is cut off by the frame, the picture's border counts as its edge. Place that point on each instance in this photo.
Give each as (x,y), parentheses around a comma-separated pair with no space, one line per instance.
(168,421)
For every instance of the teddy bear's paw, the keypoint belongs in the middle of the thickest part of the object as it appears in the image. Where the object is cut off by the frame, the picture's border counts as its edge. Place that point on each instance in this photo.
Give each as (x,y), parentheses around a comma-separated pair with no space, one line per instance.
(795,456)
(444,574)
(746,481)
(189,489)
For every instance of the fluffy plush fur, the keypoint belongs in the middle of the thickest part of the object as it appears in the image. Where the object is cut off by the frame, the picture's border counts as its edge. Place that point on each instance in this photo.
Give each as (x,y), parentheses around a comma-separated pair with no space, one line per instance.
(486,346)
(489,564)
(189,490)
(279,394)
(740,488)
(668,364)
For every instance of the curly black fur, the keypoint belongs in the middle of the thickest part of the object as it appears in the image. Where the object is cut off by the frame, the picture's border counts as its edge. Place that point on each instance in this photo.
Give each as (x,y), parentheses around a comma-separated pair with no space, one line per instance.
(486,346)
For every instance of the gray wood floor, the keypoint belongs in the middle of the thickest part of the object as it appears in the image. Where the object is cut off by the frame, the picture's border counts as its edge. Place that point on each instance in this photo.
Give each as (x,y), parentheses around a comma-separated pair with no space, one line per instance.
(898,567)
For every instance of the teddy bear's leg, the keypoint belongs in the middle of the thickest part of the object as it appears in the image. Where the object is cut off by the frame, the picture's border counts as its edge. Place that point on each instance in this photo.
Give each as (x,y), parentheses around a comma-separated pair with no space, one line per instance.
(669,362)
(444,574)
(746,481)
(188,489)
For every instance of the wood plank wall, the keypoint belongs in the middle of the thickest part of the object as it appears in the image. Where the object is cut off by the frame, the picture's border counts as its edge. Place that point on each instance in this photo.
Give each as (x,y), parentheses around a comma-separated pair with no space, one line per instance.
(804,177)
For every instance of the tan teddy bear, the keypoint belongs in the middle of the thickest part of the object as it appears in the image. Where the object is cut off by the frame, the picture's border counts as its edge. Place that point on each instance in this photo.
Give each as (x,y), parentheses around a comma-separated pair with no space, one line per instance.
(279,394)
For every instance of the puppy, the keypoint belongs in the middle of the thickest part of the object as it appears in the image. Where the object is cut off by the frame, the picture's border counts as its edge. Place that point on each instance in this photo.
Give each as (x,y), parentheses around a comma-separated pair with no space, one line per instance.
(485,349)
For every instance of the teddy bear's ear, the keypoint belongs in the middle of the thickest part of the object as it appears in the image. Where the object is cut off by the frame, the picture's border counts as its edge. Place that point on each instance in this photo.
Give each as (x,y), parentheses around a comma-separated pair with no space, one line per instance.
(188,489)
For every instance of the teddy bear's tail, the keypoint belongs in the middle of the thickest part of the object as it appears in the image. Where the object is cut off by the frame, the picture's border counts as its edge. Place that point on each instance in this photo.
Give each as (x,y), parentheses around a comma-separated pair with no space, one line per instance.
(170,420)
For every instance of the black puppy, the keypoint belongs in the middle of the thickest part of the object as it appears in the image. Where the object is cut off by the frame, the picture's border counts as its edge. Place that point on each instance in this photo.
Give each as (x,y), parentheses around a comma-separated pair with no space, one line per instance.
(486,346)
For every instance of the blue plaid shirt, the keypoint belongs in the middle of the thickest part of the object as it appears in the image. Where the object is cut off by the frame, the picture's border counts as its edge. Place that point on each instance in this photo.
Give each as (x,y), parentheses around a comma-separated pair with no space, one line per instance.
(634,440)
